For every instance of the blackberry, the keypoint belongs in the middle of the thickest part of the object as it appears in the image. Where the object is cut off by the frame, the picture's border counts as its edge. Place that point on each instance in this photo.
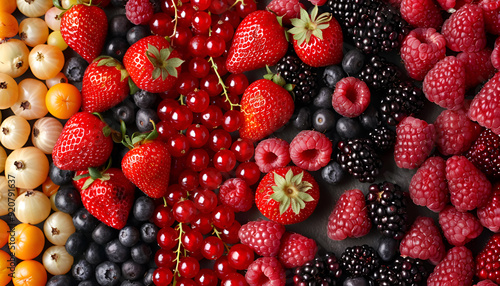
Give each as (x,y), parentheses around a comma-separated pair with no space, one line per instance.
(400,101)
(383,138)
(387,208)
(373,25)
(303,76)
(405,271)
(323,270)
(379,74)
(360,261)
(358,157)
(485,154)
(384,276)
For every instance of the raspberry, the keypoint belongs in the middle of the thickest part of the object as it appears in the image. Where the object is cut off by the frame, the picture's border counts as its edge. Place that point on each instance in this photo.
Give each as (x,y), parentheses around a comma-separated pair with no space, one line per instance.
(459,227)
(455,133)
(495,54)
(423,241)
(485,154)
(486,282)
(310,150)
(444,84)
(468,187)
(139,12)
(236,194)
(478,67)
(296,249)
(318,2)
(464,29)
(485,107)
(262,236)
(266,271)
(350,217)
(351,97)
(421,50)
(489,214)
(487,266)
(421,13)
(452,4)
(288,9)
(491,13)
(457,268)
(428,186)
(414,142)
(272,153)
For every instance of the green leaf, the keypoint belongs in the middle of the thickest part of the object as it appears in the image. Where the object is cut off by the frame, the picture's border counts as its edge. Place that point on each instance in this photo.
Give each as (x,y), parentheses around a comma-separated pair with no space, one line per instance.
(301,203)
(174,62)
(289,175)
(107,61)
(76,178)
(284,205)
(94,173)
(279,181)
(318,34)
(171,71)
(137,139)
(105,177)
(87,183)
(164,54)
(305,197)
(106,130)
(133,87)
(303,14)
(322,26)
(153,50)
(278,195)
(314,13)
(297,179)
(156,73)
(295,207)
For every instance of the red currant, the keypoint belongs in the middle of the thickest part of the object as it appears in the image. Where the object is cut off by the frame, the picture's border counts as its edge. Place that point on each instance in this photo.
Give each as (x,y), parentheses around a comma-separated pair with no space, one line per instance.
(188,267)
(199,67)
(248,171)
(184,211)
(197,47)
(165,130)
(245,8)
(212,248)
(181,117)
(222,217)
(165,258)
(201,4)
(220,63)
(219,139)
(186,83)
(243,149)
(198,160)
(231,17)
(218,7)
(185,15)
(178,145)
(223,30)
(206,277)
(197,135)
(203,223)
(230,235)
(174,194)
(188,179)
(232,121)
(212,117)
(165,108)
(234,279)
(210,178)
(162,216)
(201,22)
(240,256)
(206,201)
(198,100)
(224,160)
(211,85)
(168,6)
(222,267)
(167,237)
(181,37)
(161,24)
(162,276)
(191,239)
(236,83)
(215,46)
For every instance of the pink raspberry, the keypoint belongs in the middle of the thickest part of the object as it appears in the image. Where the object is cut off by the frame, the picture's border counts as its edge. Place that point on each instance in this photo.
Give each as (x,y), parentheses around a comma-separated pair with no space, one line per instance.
(423,241)
(459,227)
(485,107)
(456,269)
(351,97)
(236,194)
(495,54)
(266,271)
(478,66)
(350,217)
(444,84)
(318,2)
(139,12)
(428,186)
(486,282)
(489,214)
(491,13)
(272,153)
(421,13)
(310,150)
(288,9)
(421,50)
(455,133)
(296,249)
(263,236)
(469,187)
(414,142)
(464,29)
(452,4)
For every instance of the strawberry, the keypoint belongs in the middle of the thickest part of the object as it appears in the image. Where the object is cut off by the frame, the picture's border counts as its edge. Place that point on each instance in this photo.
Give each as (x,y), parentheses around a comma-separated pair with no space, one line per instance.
(258,41)
(487,266)
(84,142)
(104,85)
(317,40)
(287,195)
(152,64)
(84,29)
(108,196)
(266,107)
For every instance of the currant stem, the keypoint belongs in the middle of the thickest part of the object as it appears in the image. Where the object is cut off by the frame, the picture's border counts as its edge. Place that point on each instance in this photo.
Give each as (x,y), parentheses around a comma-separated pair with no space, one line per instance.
(221,82)
(178,251)
(175,20)
(217,233)
(236,2)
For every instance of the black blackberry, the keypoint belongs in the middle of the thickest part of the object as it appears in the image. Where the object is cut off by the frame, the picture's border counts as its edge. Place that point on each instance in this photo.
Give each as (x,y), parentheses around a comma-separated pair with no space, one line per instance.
(485,154)
(323,270)
(387,208)
(373,25)
(379,74)
(410,271)
(360,261)
(385,276)
(303,76)
(358,157)
(383,138)
(400,101)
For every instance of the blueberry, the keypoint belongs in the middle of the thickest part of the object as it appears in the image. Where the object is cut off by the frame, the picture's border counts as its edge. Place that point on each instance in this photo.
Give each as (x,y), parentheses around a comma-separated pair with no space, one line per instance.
(116,251)
(353,62)
(84,221)
(103,234)
(119,26)
(148,277)
(82,270)
(332,173)
(88,283)
(124,111)
(143,208)
(132,270)
(302,119)
(369,118)
(94,253)
(148,232)
(129,235)
(387,248)
(76,244)
(355,281)
(144,99)
(108,274)
(60,280)
(141,253)
(324,98)
(348,128)
(323,119)
(74,68)
(131,283)
(143,119)
(68,199)
(116,48)
(332,75)
(136,33)
(60,177)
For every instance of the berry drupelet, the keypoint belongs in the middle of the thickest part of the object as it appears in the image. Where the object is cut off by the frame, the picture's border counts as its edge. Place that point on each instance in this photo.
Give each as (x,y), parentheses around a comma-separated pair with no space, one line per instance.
(359,261)
(301,75)
(383,138)
(324,270)
(400,101)
(379,74)
(359,158)
(403,271)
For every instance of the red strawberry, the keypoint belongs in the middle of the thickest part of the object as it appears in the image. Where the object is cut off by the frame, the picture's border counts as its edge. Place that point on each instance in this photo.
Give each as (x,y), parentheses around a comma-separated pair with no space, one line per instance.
(84,29)
(84,142)
(109,196)
(105,84)
(487,266)
(287,195)
(266,107)
(350,217)
(258,41)
(317,40)
(152,64)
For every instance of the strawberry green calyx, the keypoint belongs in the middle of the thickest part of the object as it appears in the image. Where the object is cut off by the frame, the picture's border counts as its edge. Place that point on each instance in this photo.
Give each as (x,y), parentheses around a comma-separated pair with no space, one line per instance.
(291,190)
(306,25)
(278,79)
(94,174)
(112,62)
(137,138)
(163,66)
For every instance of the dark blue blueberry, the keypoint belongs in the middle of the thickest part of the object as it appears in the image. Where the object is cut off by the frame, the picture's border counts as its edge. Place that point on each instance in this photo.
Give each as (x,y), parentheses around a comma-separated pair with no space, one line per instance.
(103,234)
(119,26)
(136,33)
(324,98)
(148,277)
(144,99)
(141,253)
(129,235)
(60,177)
(387,248)
(348,128)
(82,270)
(116,48)
(369,118)
(76,244)
(68,199)
(356,281)
(323,119)
(332,75)
(143,119)
(143,208)
(74,68)
(84,221)
(332,173)
(108,274)
(116,251)
(302,119)
(132,270)
(124,111)
(94,253)
(353,62)
(88,283)
(60,280)
(131,283)
(148,232)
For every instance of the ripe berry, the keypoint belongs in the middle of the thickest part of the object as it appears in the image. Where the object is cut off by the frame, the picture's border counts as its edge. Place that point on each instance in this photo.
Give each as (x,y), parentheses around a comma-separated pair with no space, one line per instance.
(212,248)
(184,211)
(240,256)
(188,267)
